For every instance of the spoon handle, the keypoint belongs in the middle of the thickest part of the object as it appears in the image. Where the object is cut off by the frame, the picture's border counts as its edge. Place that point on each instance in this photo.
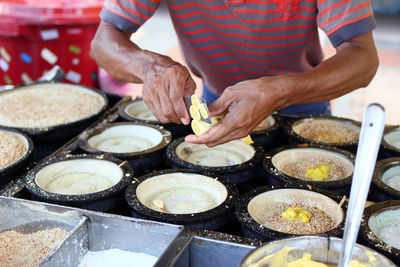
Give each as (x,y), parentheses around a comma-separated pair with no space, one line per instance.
(370,137)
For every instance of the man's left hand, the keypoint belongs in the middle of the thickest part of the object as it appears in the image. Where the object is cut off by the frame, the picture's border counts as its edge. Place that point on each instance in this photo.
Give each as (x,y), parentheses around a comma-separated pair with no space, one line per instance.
(247,104)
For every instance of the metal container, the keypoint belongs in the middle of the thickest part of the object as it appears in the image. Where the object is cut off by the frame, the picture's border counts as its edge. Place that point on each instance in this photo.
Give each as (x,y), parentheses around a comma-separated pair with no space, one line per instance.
(391,142)
(61,132)
(21,165)
(236,173)
(268,137)
(154,137)
(322,249)
(292,127)
(376,218)
(87,230)
(140,194)
(206,248)
(103,200)
(277,158)
(28,217)
(253,207)
(137,110)
(384,170)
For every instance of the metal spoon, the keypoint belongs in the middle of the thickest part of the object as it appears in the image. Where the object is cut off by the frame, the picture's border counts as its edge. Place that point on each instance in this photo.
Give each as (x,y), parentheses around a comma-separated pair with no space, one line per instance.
(370,137)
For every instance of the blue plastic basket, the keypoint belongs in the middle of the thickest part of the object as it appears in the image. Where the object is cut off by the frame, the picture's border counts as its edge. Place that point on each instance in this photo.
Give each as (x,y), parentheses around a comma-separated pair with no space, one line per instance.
(386,6)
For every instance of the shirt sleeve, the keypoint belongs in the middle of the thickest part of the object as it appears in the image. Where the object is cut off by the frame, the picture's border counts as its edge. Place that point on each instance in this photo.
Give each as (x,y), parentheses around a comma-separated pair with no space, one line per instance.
(128,15)
(344,19)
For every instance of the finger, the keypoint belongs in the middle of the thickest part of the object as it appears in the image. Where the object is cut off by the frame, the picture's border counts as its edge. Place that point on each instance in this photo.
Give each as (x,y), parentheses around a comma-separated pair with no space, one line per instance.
(151,99)
(211,139)
(236,133)
(190,85)
(220,133)
(177,89)
(233,126)
(224,135)
(220,105)
(167,107)
(179,106)
(190,88)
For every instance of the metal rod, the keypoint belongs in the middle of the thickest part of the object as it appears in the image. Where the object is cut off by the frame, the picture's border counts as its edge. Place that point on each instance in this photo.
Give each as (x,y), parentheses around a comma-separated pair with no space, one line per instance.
(370,138)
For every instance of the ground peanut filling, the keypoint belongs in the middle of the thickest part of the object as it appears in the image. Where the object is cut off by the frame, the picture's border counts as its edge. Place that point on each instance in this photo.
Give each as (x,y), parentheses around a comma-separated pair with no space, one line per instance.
(326,132)
(12,148)
(39,107)
(28,250)
(319,221)
(299,168)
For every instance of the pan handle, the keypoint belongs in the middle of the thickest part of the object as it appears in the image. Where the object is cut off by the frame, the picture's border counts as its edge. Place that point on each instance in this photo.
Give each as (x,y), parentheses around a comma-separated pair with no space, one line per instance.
(288,115)
(56,74)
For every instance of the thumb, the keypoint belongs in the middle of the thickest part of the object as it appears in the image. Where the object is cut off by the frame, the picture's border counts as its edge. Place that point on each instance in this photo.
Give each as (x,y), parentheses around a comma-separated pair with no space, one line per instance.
(220,105)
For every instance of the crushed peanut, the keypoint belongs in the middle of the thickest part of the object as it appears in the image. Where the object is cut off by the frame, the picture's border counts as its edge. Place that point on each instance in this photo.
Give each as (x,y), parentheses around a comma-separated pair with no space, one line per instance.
(40,107)
(26,250)
(12,148)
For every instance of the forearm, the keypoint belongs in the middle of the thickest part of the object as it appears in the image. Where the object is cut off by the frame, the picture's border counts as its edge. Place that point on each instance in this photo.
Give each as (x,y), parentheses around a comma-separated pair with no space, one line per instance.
(353,67)
(165,81)
(249,102)
(122,59)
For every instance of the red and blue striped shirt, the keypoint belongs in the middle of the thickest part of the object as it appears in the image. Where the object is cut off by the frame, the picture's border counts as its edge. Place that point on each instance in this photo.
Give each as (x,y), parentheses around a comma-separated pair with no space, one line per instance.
(228,41)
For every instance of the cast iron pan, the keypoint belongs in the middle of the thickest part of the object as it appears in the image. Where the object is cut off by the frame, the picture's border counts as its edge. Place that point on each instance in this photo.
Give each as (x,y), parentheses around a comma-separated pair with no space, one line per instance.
(140,160)
(341,186)
(269,137)
(199,220)
(235,173)
(260,232)
(62,132)
(371,239)
(101,201)
(295,138)
(388,150)
(177,130)
(383,191)
(21,165)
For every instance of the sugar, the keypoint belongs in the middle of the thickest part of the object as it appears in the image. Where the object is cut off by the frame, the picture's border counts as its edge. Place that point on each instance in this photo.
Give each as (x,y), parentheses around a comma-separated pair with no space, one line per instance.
(18,249)
(117,257)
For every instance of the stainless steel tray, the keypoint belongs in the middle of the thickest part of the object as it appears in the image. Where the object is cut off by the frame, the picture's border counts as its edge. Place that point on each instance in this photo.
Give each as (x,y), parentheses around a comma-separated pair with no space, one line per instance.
(197,251)
(89,230)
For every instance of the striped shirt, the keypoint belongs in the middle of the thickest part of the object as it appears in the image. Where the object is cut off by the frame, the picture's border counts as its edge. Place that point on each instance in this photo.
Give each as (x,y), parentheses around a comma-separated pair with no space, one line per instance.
(228,41)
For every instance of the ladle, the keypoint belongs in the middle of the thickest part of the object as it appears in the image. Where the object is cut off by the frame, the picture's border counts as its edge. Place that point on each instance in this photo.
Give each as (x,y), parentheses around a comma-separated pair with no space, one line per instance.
(370,137)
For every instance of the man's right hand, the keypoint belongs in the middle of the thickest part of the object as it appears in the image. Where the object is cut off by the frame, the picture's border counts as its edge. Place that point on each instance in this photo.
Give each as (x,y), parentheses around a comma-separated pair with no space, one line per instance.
(165,81)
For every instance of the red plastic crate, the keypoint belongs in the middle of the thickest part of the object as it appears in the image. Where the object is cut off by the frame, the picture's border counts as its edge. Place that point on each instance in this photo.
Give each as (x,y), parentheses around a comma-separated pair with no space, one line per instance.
(35,35)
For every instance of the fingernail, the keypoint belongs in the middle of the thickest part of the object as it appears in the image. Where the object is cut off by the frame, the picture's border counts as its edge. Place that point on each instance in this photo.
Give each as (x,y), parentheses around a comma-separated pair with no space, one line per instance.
(184,121)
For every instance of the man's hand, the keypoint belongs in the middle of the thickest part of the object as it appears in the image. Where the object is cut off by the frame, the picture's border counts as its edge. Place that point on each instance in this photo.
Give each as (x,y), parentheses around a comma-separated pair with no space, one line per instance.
(247,104)
(165,81)
(165,84)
